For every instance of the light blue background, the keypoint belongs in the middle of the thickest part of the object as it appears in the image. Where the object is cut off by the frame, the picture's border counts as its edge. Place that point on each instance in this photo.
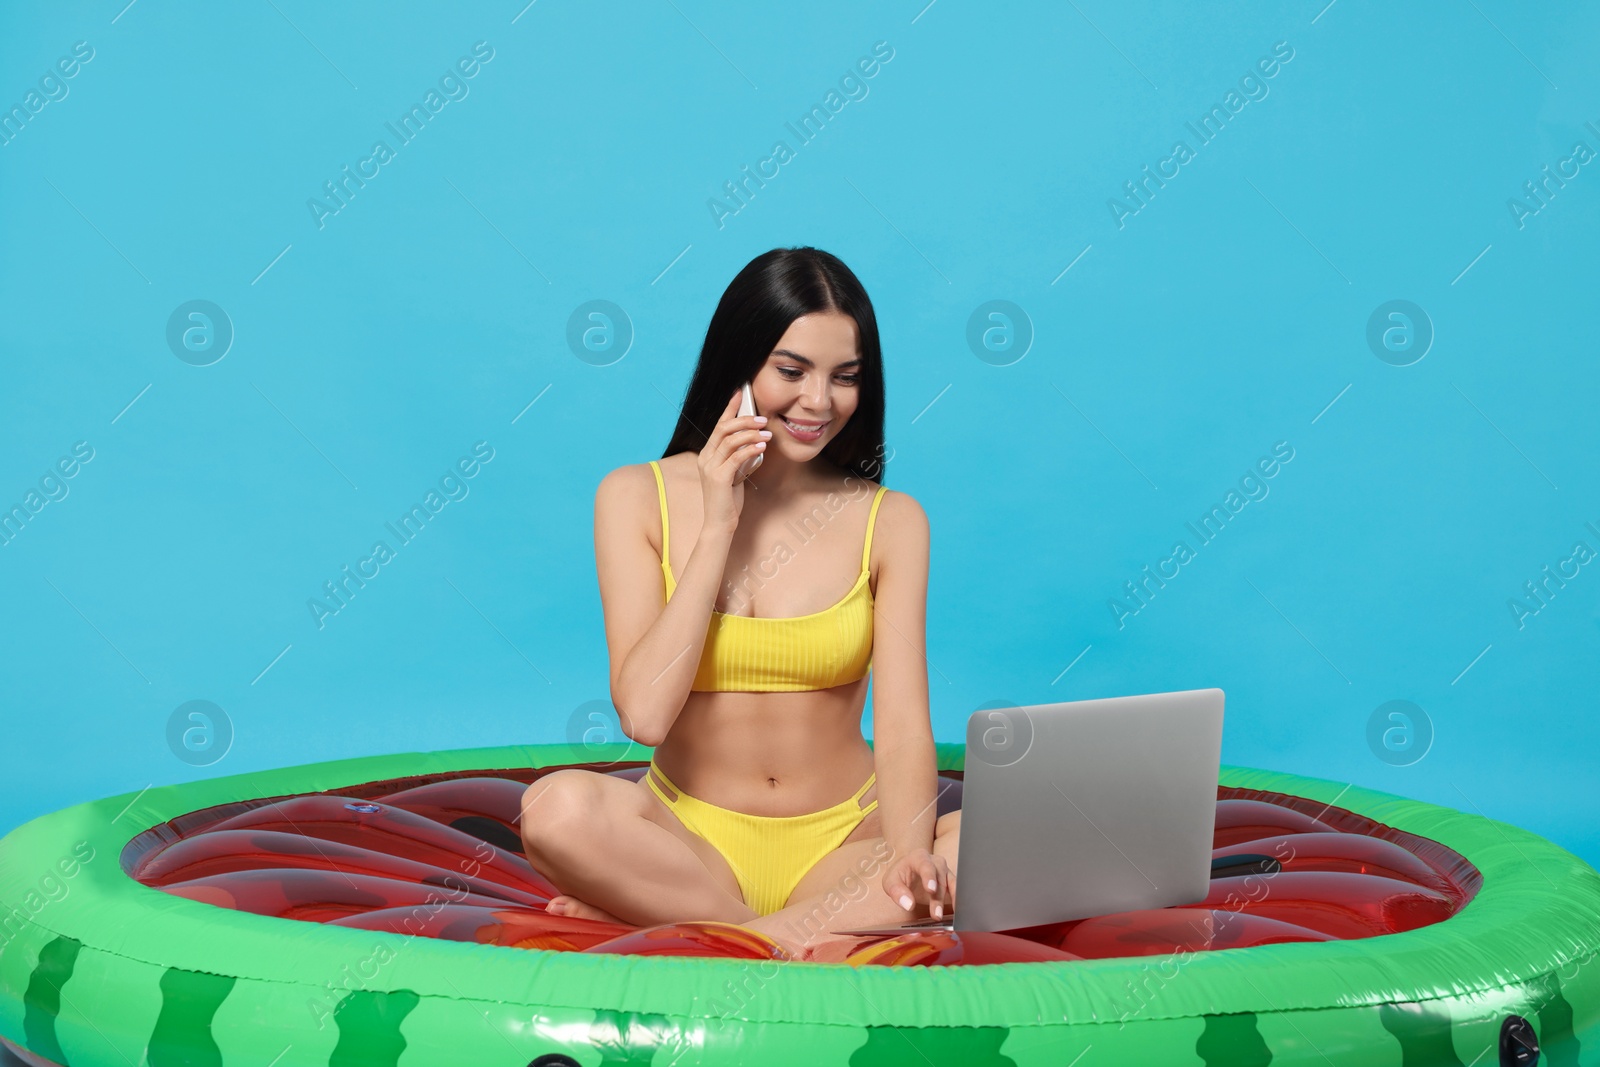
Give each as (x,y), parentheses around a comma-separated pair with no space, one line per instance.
(1228,314)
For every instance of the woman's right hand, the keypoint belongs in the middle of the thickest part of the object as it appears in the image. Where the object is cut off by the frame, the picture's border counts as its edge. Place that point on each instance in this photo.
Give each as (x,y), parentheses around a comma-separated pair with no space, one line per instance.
(733,440)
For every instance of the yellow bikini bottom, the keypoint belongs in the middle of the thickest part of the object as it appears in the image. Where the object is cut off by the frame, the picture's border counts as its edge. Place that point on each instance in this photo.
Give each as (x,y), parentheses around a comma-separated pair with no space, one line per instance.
(769,854)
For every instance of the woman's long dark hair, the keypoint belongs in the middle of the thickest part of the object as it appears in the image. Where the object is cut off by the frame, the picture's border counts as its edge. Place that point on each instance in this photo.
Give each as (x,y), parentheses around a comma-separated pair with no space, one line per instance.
(756,309)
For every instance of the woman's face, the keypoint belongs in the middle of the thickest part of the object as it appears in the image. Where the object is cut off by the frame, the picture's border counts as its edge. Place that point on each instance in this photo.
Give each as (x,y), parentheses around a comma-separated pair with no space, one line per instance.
(810,384)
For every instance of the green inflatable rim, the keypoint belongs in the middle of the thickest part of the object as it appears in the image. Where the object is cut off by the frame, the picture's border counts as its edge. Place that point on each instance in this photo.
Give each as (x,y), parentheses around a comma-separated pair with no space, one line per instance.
(1537,911)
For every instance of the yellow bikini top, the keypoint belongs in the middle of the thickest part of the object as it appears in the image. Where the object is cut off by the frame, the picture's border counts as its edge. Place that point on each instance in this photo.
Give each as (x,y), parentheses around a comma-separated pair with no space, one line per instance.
(749,654)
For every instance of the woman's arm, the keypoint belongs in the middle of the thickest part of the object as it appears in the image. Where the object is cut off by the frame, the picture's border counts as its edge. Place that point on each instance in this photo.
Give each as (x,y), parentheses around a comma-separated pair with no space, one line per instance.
(902,734)
(654,650)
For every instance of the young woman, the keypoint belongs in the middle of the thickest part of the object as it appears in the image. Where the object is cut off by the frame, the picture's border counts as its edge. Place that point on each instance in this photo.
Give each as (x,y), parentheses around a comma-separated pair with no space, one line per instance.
(735,656)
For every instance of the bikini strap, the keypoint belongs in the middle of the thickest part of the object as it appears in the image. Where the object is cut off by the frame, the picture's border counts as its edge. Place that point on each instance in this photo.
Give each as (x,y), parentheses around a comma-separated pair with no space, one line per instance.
(661,494)
(665,781)
(872,519)
(866,785)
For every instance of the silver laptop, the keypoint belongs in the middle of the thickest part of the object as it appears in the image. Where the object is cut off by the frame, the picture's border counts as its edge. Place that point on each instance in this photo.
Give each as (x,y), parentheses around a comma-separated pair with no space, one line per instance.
(1084,808)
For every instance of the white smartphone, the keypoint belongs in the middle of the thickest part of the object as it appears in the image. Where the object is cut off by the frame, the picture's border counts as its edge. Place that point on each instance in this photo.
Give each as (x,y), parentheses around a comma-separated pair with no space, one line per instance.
(747,406)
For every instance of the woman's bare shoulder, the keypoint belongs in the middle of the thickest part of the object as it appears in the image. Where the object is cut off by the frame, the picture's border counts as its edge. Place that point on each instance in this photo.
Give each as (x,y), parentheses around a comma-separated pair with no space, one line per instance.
(627,496)
(901,521)
(898,503)
(626,493)
(622,484)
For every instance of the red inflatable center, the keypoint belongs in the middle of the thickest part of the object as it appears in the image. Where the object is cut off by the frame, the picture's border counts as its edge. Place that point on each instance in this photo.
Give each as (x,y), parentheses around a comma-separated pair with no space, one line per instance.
(440,856)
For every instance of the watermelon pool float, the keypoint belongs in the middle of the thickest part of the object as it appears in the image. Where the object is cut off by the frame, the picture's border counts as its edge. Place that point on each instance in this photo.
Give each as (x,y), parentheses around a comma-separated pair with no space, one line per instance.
(380,912)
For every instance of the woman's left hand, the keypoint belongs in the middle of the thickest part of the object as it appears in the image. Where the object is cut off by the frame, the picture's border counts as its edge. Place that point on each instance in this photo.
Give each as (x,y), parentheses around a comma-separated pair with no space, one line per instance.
(921,877)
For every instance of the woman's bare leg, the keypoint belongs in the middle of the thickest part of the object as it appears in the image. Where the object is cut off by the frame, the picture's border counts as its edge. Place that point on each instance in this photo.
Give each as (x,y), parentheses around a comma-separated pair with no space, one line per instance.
(844,891)
(617,853)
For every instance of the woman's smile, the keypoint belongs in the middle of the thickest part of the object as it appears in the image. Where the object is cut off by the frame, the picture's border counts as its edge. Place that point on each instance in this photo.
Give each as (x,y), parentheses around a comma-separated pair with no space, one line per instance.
(805,430)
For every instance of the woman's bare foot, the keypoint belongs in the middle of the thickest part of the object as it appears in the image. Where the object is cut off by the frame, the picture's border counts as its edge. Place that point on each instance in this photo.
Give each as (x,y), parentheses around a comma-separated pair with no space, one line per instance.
(574,908)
